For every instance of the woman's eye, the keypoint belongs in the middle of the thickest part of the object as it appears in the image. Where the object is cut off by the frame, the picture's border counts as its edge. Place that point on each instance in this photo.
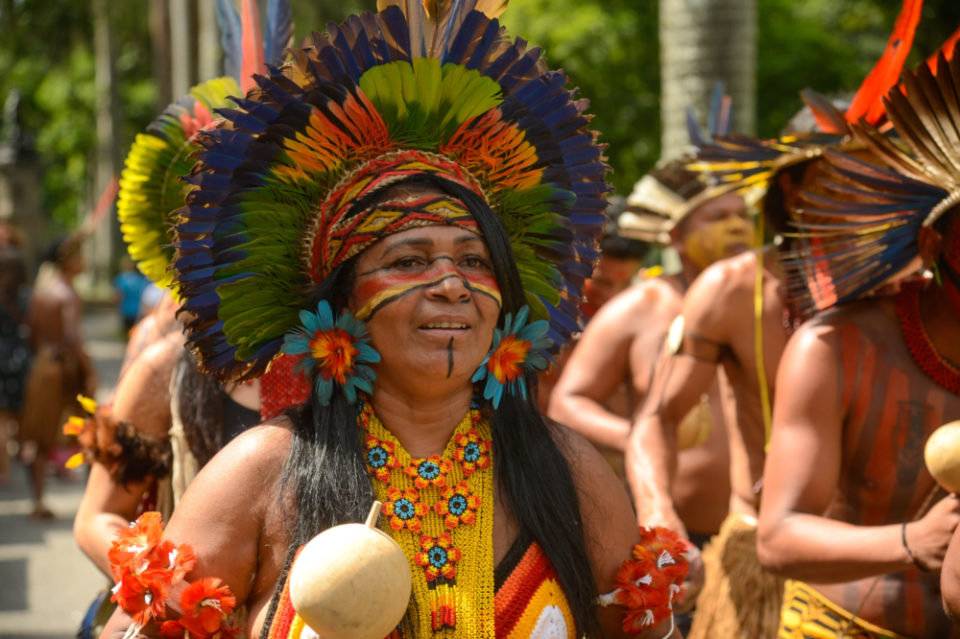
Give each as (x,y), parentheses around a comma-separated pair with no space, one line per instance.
(407,262)
(477,262)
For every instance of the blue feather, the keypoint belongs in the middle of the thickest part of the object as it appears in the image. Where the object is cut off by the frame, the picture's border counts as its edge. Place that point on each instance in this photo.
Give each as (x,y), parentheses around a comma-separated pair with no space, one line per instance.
(343,48)
(490,35)
(231,38)
(244,121)
(279,30)
(464,39)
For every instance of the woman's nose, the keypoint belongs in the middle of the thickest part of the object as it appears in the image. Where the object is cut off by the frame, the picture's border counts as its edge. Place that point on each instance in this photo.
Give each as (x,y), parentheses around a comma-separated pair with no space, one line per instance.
(450,284)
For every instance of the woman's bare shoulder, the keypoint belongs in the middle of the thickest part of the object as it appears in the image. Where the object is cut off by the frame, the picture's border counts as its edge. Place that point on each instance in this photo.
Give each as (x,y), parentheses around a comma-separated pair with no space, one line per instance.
(262,447)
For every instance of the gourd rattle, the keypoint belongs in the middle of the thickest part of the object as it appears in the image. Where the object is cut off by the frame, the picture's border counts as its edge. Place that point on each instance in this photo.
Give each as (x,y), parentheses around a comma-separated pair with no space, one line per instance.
(942,456)
(351,581)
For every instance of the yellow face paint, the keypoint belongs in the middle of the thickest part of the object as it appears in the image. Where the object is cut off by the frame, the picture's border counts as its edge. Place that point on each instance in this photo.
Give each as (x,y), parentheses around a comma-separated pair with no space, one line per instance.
(714,241)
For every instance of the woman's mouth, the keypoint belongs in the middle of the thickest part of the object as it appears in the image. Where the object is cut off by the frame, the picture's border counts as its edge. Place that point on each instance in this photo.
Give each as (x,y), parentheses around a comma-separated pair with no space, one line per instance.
(445,326)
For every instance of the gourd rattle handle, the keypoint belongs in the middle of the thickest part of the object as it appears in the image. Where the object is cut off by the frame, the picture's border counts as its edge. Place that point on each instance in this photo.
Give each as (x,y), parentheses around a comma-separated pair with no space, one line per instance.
(373,515)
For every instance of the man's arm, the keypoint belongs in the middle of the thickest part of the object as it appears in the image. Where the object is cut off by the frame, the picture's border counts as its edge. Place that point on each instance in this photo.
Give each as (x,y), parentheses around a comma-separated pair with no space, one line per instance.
(143,400)
(651,460)
(950,578)
(802,472)
(684,372)
(598,364)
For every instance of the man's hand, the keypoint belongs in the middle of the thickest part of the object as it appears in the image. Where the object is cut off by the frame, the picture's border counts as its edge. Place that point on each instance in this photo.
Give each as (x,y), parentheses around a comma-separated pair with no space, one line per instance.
(929,536)
(694,582)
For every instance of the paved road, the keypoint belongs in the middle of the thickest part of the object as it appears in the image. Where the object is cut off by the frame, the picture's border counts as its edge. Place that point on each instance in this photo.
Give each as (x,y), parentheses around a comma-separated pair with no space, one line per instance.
(46,583)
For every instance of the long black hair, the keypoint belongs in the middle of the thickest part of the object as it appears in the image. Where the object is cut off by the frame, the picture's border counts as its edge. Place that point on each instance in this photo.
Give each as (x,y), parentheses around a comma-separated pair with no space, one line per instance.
(329,484)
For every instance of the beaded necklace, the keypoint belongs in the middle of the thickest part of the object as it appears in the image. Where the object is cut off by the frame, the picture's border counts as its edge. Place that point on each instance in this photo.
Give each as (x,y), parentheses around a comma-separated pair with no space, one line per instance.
(439,510)
(943,372)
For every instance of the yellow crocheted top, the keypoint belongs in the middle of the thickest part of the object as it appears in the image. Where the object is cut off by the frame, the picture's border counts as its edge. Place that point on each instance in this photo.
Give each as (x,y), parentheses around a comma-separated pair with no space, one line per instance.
(439,510)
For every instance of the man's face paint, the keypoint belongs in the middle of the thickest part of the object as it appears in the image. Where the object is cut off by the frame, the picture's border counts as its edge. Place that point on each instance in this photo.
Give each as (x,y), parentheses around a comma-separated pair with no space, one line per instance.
(717,229)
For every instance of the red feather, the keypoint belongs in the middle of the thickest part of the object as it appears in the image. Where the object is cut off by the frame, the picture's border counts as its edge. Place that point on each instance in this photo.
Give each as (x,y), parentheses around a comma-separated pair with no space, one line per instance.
(866,103)
(947,48)
(252,45)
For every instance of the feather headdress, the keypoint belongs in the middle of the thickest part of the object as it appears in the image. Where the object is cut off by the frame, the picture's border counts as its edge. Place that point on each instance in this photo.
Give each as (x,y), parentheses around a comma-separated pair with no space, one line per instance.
(662,198)
(151,185)
(743,164)
(865,225)
(422,87)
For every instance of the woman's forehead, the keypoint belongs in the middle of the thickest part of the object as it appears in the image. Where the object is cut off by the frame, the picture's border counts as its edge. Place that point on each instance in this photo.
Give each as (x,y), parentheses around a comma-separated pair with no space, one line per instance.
(426,237)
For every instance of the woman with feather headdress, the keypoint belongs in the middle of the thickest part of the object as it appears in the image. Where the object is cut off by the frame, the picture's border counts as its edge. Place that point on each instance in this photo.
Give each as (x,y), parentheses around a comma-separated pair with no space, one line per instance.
(410,207)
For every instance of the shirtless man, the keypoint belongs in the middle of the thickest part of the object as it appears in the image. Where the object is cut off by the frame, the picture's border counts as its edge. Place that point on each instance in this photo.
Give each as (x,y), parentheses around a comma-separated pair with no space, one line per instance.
(60,369)
(622,343)
(848,504)
(718,327)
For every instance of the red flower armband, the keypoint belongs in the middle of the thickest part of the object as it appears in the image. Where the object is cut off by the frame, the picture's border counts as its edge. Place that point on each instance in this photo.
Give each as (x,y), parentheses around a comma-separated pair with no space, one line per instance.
(649,581)
(148,570)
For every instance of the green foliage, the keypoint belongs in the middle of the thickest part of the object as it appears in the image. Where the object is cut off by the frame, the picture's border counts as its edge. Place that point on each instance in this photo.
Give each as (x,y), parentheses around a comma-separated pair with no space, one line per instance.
(609,49)
(47,54)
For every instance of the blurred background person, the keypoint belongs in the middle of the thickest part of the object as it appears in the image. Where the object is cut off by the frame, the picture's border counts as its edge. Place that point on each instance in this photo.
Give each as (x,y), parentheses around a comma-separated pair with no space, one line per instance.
(61,369)
(15,352)
(128,287)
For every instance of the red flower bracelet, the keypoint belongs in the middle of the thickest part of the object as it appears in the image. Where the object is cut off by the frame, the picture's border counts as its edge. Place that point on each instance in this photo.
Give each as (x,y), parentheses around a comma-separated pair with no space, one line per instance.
(650,580)
(148,570)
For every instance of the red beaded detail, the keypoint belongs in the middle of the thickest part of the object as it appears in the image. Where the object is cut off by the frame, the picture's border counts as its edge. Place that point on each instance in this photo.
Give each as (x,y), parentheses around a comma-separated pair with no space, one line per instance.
(941,371)
(282,387)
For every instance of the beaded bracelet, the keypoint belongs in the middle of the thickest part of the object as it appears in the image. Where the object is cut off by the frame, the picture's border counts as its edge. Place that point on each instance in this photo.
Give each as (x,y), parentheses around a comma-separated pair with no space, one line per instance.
(913,555)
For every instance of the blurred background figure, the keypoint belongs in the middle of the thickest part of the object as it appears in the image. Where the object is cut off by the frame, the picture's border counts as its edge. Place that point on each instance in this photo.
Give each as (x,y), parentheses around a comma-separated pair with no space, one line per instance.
(61,368)
(620,261)
(128,286)
(14,348)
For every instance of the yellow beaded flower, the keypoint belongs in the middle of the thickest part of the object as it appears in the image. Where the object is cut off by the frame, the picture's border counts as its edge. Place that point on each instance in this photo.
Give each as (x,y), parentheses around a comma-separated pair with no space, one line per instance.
(405,509)
(458,505)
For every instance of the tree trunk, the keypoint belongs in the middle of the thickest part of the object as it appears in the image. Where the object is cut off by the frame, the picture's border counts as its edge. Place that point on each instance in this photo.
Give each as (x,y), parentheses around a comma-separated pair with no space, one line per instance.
(160,51)
(107,242)
(703,42)
(208,41)
(182,47)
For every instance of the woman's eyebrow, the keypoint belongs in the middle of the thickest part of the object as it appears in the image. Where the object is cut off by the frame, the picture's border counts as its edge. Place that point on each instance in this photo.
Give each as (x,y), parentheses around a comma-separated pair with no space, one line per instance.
(418,243)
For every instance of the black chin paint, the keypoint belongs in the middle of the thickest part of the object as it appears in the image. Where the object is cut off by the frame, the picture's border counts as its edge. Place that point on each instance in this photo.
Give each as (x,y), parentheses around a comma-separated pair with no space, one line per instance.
(450,358)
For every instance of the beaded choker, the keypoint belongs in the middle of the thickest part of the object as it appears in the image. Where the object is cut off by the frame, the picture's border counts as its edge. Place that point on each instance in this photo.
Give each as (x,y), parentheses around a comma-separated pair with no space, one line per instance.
(439,510)
(943,372)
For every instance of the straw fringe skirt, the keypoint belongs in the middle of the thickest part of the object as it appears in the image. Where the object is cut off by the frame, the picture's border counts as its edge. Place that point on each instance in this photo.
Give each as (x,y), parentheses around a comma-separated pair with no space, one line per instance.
(739,600)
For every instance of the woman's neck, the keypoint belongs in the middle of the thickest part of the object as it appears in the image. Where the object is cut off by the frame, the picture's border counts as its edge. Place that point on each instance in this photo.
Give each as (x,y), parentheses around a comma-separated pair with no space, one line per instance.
(423,425)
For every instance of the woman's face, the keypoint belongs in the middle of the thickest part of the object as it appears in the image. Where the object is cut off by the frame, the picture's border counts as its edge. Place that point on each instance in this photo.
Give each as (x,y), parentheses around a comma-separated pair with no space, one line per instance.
(430,300)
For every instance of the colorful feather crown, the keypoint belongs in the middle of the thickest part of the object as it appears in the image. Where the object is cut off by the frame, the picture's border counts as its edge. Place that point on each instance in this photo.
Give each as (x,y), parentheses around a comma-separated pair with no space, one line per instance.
(151,186)
(866,224)
(449,87)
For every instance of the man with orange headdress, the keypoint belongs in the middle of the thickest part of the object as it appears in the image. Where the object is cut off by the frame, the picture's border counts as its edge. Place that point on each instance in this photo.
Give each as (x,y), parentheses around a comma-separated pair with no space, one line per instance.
(849,512)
